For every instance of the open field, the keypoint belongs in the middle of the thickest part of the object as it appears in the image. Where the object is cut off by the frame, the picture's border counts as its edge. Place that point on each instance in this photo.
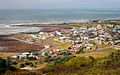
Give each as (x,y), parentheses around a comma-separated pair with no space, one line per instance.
(108,50)
(103,45)
(57,44)
(94,54)
(100,53)
(7,54)
(17,46)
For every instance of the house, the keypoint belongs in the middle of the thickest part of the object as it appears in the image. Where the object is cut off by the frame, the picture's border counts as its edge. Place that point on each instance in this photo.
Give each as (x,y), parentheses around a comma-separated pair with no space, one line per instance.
(50,34)
(117,47)
(58,33)
(73,51)
(56,39)
(117,30)
(54,52)
(41,33)
(15,56)
(83,27)
(113,38)
(46,46)
(98,41)
(43,37)
(25,55)
(35,35)
(99,26)
(88,48)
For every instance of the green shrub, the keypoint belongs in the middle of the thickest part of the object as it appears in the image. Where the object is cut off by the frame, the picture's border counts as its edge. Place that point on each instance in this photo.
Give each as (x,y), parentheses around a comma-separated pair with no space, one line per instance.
(79,62)
(22,65)
(5,66)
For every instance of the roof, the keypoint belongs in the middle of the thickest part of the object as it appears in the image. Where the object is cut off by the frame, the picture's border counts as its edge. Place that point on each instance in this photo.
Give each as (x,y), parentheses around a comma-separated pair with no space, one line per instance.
(53,52)
(26,53)
(113,38)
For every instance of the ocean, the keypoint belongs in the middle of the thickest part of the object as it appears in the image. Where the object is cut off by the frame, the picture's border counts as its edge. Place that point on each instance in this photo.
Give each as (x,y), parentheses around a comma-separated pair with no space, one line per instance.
(52,16)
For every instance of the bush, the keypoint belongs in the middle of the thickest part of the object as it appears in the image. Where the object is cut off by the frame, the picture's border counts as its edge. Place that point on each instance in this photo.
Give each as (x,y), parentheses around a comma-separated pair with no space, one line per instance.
(5,66)
(22,65)
(31,58)
(79,62)
(103,63)
(80,51)
(28,63)
(13,62)
(58,60)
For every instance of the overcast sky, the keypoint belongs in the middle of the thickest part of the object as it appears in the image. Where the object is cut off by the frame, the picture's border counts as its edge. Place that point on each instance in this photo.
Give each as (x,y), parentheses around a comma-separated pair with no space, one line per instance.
(53,4)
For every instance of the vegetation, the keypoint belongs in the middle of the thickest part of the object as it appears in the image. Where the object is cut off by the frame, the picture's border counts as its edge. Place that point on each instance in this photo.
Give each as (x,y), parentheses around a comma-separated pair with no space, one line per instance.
(80,51)
(57,44)
(113,23)
(22,65)
(65,53)
(57,60)
(71,65)
(6,66)
(87,66)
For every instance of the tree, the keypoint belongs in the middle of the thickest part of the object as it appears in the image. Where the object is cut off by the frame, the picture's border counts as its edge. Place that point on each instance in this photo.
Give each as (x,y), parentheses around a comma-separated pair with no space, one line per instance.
(103,63)
(32,65)
(91,57)
(80,51)
(115,57)
(28,63)
(5,66)
(22,65)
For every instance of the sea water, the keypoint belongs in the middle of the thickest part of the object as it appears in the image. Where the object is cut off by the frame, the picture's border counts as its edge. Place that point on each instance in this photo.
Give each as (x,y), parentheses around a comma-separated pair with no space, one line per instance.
(51,16)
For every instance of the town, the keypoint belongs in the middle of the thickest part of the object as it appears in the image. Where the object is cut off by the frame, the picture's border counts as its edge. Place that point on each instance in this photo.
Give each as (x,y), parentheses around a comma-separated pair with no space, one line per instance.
(87,38)
(66,42)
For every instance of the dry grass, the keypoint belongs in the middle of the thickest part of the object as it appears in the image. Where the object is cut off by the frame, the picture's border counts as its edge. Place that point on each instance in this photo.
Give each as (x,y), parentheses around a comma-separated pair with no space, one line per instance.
(108,50)
(94,54)
(57,44)
(103,45)
(7,54)
(23,36)
(100,53)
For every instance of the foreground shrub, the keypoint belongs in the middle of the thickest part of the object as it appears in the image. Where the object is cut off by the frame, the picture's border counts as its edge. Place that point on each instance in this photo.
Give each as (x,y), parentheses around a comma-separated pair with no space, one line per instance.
(79,62)
(6,66)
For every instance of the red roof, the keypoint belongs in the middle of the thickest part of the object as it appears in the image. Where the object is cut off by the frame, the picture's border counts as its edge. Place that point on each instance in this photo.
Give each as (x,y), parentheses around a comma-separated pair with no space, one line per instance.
(62,31)
(97,31)
(83,43)
(113,38)
(53,52)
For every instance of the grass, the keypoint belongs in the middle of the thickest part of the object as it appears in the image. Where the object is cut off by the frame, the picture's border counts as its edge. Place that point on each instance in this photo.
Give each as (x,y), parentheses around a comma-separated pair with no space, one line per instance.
(100,53)
(38,65)
(93,48)
(7,54)
(23,36)
(103,45)
(57,44)
(78,25)
(64,46)
(108,50)
(94,54)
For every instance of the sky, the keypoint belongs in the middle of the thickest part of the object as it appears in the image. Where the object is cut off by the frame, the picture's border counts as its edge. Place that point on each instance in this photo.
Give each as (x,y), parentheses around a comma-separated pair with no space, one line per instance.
(55,4)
